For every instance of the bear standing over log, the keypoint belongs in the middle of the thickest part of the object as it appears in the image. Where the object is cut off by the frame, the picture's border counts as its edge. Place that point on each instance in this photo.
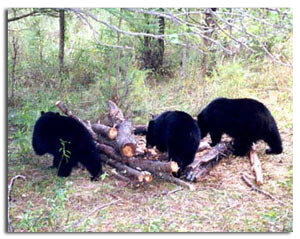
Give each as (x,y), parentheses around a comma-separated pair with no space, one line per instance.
(246,120)
(177,133)
(68,141)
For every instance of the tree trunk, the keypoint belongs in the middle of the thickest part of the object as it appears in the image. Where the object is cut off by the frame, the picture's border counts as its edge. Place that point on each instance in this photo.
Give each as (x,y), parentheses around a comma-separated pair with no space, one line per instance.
(161,45)
(61,41)
(208,61)
(14,64)
(153,52)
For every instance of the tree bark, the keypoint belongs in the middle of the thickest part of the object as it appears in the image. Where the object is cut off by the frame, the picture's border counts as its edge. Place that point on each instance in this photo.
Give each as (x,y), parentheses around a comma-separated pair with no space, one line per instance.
(208,61)
(14,64)
(153,52)
(61,41)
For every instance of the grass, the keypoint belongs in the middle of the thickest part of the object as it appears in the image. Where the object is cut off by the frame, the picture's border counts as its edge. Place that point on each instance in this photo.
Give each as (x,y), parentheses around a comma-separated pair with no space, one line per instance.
(221,201)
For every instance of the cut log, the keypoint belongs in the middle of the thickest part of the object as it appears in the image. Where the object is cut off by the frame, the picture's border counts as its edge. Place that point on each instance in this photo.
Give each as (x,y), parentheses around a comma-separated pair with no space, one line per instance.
(152,166)
(128,171)
(256,165)
(125,140)
(109,132)
(204,164)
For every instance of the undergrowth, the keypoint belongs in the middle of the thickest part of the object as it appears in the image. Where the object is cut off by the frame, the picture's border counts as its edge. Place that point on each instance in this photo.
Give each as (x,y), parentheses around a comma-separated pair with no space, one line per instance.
(45,202)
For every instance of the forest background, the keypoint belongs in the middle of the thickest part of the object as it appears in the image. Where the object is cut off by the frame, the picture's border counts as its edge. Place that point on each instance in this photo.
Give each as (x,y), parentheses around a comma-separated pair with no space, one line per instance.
(147,60)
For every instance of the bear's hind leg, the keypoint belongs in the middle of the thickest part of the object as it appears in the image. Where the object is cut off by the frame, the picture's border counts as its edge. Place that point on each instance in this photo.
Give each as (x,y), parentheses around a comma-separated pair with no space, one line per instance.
(273,139)
(93,164)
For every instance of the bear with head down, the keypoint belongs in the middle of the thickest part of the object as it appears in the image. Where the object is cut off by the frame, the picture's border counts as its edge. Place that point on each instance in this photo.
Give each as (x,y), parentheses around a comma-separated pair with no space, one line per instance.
(68,141)
(245,120)
(177,133)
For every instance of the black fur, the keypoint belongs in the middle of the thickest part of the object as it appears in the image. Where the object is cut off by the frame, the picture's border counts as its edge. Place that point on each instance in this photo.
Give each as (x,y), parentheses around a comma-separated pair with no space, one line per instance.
(49,131)
(246,120)
(177,133)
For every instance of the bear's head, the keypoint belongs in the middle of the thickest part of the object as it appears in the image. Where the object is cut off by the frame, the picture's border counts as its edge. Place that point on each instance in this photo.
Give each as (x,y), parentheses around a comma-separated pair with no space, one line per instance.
(49,114)
(150,137)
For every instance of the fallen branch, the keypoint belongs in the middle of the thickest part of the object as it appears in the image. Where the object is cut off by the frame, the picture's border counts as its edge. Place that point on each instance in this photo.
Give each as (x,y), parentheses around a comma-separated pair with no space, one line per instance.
(177,181)
(115,114)
(10,227)
(120,177)
(256,165)
(76,224)
(166,193)
(202,165)
(203,146)
(249,184)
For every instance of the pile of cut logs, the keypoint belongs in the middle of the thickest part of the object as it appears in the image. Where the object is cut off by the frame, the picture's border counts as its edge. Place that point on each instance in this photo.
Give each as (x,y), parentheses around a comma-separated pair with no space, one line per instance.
(123,148)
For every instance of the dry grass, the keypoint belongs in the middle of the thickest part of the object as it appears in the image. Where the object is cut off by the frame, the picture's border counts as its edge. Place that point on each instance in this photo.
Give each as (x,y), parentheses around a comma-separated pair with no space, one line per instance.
(221,202)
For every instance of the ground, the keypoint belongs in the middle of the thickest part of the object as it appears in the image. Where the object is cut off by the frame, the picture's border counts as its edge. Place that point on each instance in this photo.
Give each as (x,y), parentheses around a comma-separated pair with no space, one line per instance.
(221,201)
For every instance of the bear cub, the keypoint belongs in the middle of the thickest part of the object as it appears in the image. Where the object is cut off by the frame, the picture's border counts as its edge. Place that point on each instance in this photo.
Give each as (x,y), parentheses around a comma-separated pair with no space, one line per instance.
(68,141)
(177,133)
(245,120)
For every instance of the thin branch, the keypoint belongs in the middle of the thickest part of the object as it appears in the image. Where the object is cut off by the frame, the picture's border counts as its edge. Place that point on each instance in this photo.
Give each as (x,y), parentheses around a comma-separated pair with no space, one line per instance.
(76,224)
(82,17)
(156,36)
(258,38)
(233,38)
(10,227)
(23,16)
(249,184)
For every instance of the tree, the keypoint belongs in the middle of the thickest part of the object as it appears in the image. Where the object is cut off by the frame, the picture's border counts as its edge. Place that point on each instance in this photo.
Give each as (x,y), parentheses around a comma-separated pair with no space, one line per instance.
(153,49)
(61,41)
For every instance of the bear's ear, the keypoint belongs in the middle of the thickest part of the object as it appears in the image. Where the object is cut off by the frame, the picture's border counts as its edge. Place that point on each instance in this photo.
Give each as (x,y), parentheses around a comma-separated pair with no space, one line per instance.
(42,112)
(151,124)
(152,115)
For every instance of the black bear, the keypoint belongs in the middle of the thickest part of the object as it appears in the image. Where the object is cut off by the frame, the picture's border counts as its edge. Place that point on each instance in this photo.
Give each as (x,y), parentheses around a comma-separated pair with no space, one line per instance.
(68,141)
(177,133)
(246,120)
